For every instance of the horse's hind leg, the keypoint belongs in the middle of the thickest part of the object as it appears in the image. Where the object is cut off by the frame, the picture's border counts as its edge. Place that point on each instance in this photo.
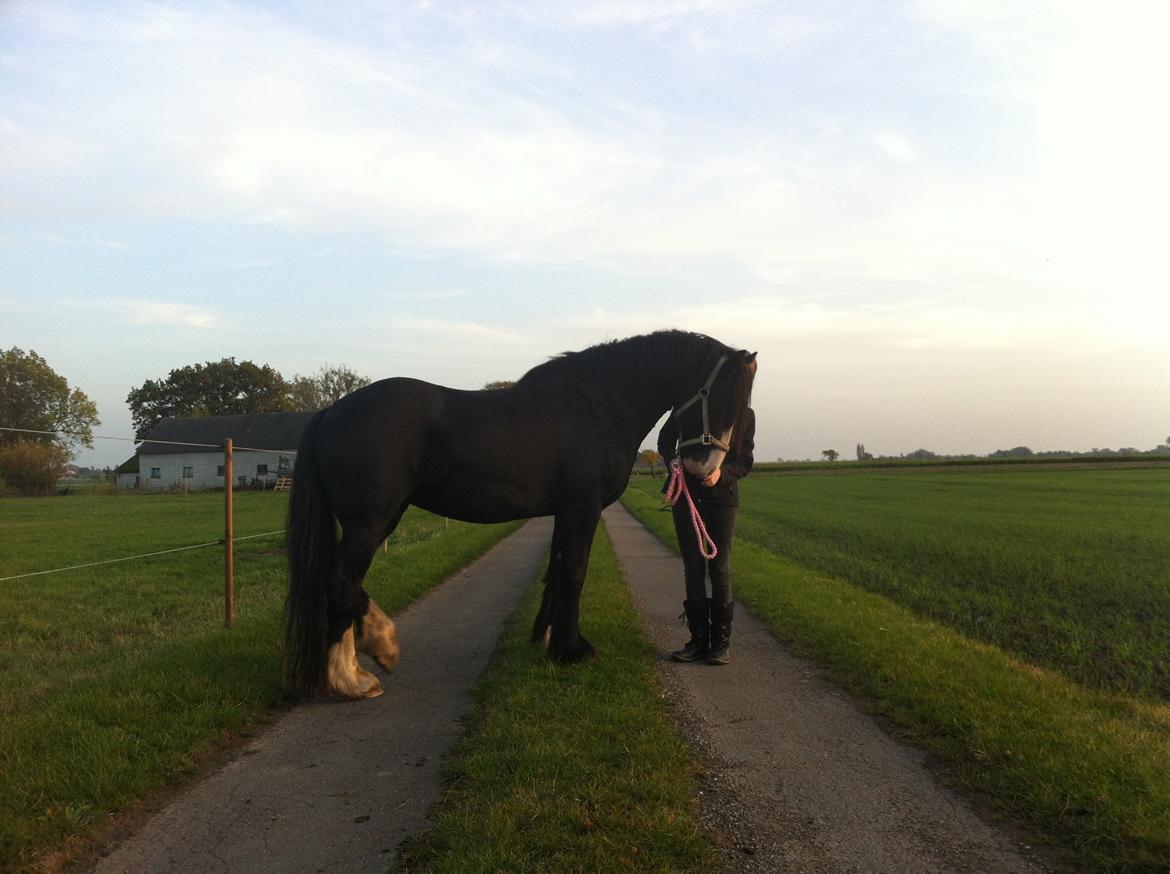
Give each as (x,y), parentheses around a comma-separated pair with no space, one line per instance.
(348,602)
(344,677)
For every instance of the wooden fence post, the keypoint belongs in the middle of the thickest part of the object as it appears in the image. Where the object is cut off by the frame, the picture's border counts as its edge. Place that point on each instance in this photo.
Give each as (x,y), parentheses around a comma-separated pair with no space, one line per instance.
(229,533)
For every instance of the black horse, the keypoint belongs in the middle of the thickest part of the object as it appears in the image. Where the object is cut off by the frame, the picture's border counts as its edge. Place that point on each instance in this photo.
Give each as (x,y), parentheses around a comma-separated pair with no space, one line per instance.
(561,441)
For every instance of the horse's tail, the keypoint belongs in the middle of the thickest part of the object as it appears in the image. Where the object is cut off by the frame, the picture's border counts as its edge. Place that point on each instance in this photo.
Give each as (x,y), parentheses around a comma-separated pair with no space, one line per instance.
(311,543)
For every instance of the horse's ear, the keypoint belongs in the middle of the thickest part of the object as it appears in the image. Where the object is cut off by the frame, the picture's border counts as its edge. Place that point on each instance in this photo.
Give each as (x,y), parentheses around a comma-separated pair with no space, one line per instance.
(749,359)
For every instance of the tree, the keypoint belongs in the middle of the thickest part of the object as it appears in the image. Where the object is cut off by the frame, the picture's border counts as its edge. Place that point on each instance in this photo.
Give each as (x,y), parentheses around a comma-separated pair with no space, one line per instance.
(35,397)
(862,455)
(651,457)
(327,386)
(1014,452)
(830,454)
(499,383)
(217,388)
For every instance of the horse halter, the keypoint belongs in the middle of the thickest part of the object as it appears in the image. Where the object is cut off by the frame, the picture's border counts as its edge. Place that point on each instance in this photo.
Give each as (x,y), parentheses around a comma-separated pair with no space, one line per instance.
(706,438)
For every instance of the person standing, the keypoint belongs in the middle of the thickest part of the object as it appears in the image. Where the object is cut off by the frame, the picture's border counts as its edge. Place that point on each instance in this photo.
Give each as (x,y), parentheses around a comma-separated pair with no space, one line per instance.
(717,499)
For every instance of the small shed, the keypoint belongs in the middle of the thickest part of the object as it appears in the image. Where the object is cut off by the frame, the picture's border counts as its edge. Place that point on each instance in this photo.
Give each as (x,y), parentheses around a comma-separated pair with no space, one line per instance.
(127,473)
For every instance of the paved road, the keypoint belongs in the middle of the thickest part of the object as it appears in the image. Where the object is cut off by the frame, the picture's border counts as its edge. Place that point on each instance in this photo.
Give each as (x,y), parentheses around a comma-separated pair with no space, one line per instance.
(337,786)
(797,778)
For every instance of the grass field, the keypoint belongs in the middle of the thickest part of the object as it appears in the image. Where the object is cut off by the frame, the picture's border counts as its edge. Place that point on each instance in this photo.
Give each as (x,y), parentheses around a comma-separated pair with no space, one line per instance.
(116,680)
(1069,570)
(568,768)
(852,571)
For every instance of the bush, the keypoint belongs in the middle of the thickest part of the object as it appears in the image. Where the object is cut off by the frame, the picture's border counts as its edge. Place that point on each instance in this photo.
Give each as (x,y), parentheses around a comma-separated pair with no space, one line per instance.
(31,468)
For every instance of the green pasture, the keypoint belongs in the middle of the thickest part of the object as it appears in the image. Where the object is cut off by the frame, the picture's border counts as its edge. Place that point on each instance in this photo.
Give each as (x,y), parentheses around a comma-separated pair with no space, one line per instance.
(568,768)
(117,680)
(1069,570)
(1013,623)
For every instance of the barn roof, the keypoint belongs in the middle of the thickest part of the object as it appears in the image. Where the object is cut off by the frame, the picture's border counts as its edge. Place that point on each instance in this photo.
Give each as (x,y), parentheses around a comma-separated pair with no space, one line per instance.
(279,432)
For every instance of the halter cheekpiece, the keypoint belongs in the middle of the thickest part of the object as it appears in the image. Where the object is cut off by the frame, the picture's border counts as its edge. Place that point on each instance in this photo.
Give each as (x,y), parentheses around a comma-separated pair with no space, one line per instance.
(706,438)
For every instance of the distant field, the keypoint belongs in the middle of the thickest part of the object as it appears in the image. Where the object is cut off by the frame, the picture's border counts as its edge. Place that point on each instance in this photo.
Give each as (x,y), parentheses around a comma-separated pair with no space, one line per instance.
(115,680)
(1068,569)
(1042,462)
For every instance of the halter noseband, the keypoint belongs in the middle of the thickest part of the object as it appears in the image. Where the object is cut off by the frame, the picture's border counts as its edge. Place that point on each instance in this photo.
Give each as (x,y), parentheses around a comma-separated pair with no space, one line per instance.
(706,438)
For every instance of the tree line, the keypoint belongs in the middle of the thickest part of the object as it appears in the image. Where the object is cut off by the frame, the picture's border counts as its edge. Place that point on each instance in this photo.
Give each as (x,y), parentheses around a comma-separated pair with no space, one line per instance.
(231,388)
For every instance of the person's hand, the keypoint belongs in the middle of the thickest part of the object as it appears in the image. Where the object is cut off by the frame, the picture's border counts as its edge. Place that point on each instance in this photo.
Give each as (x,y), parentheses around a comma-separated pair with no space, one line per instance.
(713,477)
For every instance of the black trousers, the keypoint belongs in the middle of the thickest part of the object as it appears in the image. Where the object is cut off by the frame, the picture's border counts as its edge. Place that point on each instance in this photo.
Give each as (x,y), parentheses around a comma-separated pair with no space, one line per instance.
(720,522)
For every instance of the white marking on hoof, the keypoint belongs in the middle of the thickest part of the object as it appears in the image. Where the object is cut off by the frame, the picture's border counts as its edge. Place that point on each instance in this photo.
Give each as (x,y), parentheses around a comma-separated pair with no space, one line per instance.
(378,639)
(344,677)
(547,636)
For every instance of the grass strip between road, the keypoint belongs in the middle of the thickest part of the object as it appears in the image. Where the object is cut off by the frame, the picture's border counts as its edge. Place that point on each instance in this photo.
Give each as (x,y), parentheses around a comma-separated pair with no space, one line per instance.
(117,682)
(568,768)
(1088,767)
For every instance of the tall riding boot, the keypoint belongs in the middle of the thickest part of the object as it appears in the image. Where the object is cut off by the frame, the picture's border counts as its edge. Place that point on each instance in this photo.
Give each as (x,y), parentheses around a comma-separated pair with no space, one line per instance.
(698,613)
(720,634)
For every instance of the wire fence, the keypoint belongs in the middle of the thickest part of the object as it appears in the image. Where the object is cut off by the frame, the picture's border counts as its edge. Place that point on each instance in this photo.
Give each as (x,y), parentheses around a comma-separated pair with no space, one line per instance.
(225,472)
(89,564)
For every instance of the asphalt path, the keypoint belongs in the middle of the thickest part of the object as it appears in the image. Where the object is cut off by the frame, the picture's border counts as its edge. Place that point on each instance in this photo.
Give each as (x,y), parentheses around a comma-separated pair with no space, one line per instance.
(337,786)
(795,776)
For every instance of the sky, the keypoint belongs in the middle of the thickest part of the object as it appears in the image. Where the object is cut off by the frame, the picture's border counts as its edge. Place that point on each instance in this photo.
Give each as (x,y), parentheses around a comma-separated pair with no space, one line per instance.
(941,224)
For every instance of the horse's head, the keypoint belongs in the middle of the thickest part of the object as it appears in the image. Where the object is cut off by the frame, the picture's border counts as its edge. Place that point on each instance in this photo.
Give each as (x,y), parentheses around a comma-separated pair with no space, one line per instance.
(710,421)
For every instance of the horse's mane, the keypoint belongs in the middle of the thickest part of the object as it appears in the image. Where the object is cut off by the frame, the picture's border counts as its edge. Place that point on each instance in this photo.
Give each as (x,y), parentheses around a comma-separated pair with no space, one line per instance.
(740,398)
(651,354)
(646,353)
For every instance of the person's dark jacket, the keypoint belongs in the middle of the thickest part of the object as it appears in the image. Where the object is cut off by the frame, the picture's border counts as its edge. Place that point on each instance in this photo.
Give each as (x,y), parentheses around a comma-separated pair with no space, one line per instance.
(736,465)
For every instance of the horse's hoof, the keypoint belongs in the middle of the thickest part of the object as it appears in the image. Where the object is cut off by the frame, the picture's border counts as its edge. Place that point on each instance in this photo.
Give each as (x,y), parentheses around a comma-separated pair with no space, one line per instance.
(373,692)
(573,652)
(388,662)
(368,686)
(362,685)
(379,637)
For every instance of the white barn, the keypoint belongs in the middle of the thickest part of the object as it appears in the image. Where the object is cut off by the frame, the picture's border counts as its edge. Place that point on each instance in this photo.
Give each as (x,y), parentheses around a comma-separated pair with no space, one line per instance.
(264,446)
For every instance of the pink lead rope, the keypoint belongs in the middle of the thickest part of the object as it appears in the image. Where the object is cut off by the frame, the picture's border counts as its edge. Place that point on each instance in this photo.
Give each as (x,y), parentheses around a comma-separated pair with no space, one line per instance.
(677,488)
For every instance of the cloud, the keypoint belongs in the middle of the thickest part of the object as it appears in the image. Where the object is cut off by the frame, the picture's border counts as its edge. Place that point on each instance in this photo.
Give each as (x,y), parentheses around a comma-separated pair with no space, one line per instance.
(895,145)
(855,326)
(494,146)
(437,151)
(464,331)
(164,314)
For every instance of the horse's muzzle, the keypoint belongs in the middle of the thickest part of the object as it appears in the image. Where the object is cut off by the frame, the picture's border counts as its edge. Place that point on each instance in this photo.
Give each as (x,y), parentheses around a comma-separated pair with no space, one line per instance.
(706,464)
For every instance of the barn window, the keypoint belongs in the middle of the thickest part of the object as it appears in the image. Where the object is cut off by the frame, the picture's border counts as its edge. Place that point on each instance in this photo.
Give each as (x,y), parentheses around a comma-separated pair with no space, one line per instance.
(188,472)
(156,473)
(219,470)
(262,470)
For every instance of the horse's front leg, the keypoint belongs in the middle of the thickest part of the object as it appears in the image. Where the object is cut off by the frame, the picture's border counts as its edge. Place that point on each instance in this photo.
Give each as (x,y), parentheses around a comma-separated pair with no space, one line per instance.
(565,642)
(376,636)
